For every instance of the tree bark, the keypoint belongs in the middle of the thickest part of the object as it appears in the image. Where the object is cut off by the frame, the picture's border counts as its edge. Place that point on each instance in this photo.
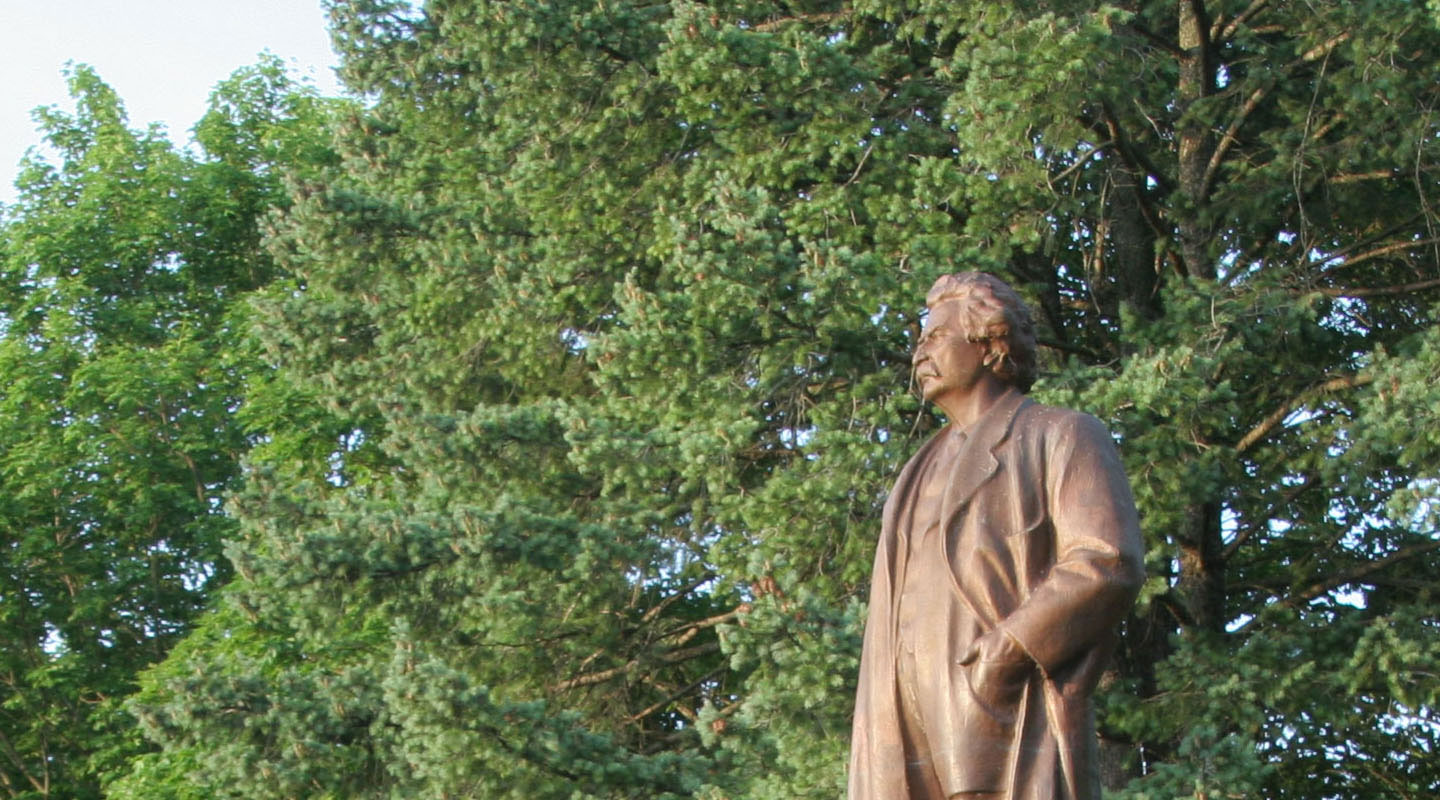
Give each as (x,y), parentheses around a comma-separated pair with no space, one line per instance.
(1201,586)
(1197,81)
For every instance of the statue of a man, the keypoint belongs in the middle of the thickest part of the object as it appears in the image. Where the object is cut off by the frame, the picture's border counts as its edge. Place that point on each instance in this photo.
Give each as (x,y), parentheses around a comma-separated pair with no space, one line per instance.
(1009,551)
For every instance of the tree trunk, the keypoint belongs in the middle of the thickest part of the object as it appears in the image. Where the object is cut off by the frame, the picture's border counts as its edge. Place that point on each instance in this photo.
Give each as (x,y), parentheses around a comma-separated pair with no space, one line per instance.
(1201,587)
(1197,80)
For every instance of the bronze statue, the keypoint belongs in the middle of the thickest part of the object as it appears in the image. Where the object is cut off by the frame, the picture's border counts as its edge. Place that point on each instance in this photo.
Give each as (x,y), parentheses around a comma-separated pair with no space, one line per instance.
(1009,551)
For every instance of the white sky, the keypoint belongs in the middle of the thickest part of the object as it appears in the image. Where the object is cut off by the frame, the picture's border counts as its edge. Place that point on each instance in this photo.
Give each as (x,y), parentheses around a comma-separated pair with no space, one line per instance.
(161,56)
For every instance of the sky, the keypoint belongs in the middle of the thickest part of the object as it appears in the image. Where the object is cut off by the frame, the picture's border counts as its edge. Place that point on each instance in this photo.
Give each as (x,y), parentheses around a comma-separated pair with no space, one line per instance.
(162,57)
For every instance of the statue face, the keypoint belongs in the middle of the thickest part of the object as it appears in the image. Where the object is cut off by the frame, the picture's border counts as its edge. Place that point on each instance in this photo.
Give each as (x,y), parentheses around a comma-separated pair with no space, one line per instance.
(946,362)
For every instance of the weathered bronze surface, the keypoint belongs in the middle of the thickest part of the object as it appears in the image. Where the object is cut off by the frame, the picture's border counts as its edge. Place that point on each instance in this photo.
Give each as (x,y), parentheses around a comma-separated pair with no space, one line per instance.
(1008,552)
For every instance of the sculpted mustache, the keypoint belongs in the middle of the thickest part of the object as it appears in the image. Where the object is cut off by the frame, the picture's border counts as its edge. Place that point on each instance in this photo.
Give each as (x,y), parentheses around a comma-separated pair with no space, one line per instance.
(916,375)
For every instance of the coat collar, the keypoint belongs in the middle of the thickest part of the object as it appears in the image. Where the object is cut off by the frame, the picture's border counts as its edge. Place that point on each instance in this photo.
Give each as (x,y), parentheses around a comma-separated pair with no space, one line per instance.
(976,461)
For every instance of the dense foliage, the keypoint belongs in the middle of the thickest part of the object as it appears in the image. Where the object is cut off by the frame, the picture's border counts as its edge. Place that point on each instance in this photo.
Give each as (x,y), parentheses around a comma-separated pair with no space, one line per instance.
(593,369)
(124,354)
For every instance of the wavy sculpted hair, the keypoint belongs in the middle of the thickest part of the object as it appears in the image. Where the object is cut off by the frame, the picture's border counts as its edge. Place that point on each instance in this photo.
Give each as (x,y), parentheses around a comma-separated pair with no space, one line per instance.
(991,312)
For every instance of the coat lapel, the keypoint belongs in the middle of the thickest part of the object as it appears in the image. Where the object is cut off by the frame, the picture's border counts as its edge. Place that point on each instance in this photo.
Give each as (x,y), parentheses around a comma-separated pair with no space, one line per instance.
(976,461)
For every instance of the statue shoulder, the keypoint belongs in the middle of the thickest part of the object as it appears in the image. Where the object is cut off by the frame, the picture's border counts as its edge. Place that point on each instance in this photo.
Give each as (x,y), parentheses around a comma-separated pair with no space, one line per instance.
(1051,423)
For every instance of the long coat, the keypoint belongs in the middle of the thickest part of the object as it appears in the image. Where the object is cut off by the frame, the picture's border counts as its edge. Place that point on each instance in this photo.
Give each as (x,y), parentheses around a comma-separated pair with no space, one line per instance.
(1040,534)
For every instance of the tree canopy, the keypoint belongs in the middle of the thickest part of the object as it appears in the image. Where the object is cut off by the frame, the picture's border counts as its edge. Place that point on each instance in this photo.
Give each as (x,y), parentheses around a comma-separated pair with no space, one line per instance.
(590,375)
(124,350)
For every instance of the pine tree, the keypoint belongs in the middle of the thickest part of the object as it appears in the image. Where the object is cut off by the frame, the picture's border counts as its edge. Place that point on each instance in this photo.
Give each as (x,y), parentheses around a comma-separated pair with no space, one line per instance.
(609,307)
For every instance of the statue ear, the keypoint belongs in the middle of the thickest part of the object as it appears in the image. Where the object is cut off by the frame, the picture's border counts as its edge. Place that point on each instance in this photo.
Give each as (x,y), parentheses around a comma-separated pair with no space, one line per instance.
(997,351)
(994,354)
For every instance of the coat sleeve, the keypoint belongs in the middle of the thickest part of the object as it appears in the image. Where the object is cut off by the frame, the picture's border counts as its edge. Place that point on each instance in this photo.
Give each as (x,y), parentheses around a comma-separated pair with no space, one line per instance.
(1098,556)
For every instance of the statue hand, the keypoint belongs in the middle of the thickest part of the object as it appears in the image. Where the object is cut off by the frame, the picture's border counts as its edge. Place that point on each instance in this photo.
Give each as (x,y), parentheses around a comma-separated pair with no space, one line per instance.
(995,646)
(997,668)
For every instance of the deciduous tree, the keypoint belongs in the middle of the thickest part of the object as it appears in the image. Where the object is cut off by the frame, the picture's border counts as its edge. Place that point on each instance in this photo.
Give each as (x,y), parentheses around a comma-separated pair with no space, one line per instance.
(123,357)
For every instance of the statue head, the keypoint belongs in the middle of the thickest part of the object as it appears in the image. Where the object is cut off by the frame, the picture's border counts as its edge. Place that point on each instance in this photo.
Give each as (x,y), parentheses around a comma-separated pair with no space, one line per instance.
(991,314)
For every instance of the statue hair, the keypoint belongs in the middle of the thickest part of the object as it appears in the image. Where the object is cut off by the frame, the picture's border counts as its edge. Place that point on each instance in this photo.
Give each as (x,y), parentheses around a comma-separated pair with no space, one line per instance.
(991,312)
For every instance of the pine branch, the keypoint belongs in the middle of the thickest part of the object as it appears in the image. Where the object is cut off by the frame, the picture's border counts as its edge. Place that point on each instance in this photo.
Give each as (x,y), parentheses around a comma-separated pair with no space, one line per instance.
(1360,291)
(708,622)
(1172,603)
(863,158)
(1302,245)
(1287,499)
(1274,418)
(1357,177)
(676,695)
(1377,252)
(1321,50)
(654,612)
(1133,157)
(596,677)
(1153,38)
(817,17)
(672,657)
(1080,163)
(1090,356)
(1219,32)
(1228,139)
(1360,571)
